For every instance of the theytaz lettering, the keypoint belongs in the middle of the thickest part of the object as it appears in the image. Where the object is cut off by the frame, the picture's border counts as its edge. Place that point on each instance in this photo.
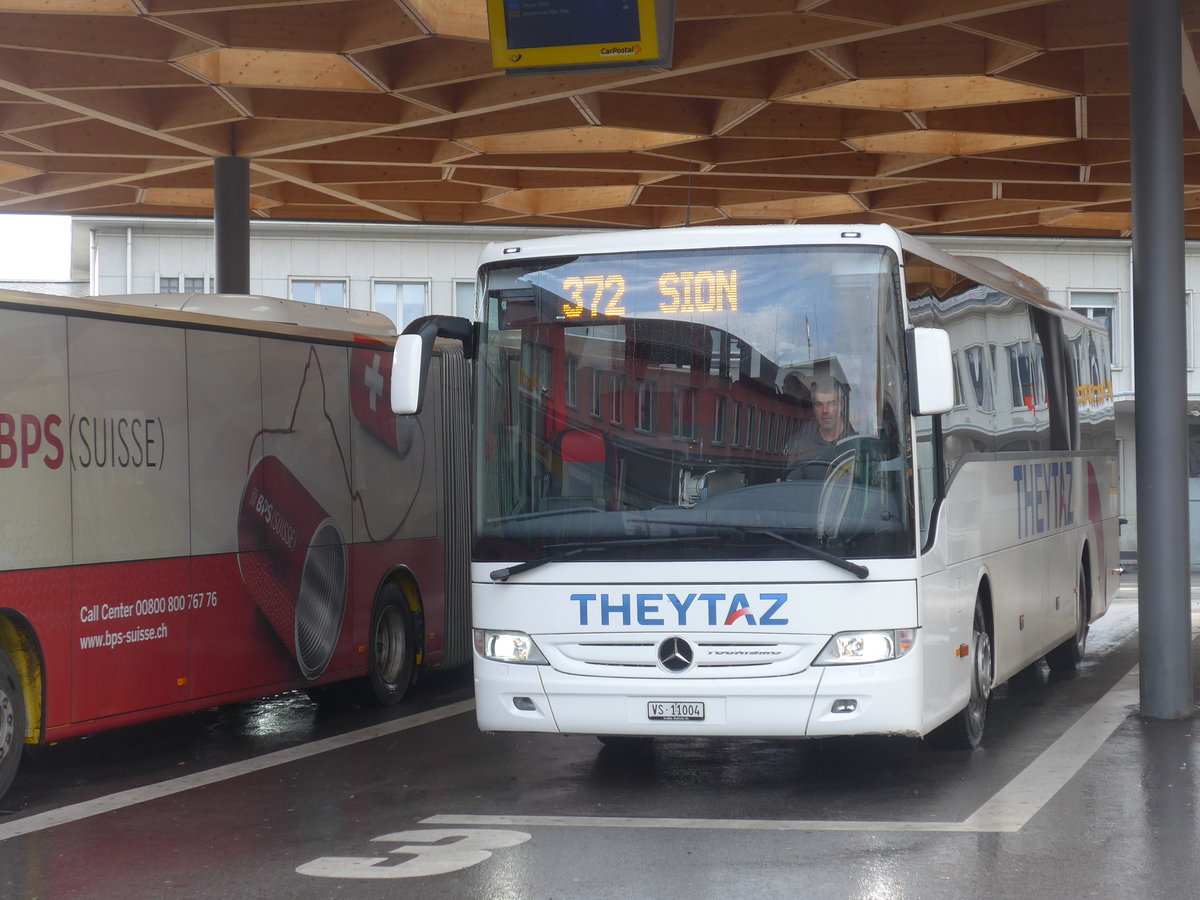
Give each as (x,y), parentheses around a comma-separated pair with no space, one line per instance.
(1045,497)
(680,610)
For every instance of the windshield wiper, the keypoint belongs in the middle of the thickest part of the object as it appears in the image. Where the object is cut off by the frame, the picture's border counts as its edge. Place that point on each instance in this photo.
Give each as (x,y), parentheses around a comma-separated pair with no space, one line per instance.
(814,552)
(543,514)
(578,547)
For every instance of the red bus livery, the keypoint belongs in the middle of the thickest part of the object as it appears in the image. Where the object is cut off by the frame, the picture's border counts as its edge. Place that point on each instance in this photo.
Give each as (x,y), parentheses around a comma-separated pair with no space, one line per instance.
(203,505)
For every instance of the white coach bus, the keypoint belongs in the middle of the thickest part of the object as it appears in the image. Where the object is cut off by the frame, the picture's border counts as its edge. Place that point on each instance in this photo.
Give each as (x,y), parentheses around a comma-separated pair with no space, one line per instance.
(776,480)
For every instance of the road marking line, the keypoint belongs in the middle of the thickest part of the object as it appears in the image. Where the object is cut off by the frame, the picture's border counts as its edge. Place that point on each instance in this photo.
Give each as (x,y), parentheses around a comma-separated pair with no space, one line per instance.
(1023,797)
(717,824)
(134,796)
(1008,810)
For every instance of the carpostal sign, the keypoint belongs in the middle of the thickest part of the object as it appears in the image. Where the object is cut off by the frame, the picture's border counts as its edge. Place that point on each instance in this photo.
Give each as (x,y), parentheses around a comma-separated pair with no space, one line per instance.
(536,35)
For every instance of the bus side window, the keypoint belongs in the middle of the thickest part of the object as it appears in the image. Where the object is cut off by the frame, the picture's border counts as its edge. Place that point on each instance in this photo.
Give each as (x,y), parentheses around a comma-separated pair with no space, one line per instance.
(927,455)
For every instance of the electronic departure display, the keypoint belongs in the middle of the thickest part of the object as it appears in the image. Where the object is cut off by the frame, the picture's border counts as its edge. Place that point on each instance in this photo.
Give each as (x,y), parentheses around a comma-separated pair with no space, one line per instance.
(537,36)
(682,292)
(552,23)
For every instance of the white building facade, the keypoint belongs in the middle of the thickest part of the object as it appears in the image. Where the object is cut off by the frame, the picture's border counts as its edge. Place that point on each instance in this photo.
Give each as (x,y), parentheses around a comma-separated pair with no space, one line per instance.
(408,270)
(401,270)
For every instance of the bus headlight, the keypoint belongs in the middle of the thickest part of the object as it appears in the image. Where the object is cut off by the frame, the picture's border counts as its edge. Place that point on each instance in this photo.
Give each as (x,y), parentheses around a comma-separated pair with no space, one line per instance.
(852,647)
(508,647)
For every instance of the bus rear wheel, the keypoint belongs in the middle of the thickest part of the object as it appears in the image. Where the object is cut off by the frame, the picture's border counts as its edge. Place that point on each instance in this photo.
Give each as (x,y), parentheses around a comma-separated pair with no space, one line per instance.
(392,648)
(12,721)
(964,731)
(1066,657)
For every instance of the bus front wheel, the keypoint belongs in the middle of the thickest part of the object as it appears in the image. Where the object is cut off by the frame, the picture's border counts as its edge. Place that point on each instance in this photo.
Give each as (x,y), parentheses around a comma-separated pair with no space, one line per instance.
(392,648)
(964,730)
(12,721)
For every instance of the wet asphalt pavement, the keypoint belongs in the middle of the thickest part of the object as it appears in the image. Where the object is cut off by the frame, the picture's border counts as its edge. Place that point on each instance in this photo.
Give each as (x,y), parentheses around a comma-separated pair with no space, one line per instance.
(1072,795)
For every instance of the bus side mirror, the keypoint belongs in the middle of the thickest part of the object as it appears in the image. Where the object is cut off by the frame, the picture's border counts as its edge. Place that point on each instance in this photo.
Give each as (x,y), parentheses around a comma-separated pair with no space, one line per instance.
(930,372)
(411,355)
(410,364)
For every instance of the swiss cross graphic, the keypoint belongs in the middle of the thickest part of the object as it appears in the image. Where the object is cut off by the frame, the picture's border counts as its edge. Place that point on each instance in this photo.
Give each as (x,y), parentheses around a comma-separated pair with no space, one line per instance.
(373,379)
(370,377)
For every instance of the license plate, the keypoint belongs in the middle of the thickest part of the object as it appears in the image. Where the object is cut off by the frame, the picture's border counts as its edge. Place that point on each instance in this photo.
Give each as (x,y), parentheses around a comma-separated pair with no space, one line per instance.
(676,710)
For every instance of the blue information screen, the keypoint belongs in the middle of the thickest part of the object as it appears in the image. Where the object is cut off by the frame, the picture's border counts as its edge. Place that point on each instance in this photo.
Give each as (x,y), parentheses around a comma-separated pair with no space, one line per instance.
(556,23)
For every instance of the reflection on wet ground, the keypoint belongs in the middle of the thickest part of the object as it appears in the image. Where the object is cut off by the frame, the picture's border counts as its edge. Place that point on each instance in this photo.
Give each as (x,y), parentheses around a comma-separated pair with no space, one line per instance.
(108,761)
(702,818)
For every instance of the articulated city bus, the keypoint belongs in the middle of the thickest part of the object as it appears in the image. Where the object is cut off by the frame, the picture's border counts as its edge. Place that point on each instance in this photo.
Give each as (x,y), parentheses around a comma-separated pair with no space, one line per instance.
(776,480)
(206,498)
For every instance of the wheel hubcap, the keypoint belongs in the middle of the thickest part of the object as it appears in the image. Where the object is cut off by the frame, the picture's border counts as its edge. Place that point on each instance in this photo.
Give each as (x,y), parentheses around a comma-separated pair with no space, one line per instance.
(1081,625)
(8,729)
(389,645)
(981,686)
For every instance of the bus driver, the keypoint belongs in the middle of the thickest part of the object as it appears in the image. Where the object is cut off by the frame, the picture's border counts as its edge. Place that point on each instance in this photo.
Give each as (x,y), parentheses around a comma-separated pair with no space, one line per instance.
(814,446)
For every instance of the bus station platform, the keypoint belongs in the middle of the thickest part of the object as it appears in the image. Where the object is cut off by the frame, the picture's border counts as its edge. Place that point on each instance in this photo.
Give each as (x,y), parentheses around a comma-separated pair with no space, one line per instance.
(1072,795)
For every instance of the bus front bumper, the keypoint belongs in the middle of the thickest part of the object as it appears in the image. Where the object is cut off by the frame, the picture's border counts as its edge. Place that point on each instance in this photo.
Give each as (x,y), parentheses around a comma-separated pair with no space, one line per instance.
(821,701)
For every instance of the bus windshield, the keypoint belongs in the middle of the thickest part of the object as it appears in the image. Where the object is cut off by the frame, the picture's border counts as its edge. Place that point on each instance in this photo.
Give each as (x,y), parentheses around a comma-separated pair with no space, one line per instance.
(700,404)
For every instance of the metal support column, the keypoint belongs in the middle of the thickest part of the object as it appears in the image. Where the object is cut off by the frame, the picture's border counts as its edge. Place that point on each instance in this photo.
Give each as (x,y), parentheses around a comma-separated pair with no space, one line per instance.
(1160,358)
(231,223)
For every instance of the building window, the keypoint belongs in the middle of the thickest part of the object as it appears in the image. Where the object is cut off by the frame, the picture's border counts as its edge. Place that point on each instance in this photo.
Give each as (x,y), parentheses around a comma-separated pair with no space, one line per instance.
(464,299)
(571,381)
(683,414)
(171,285)
(328,292)
(959,393)
(1102,307)
(1187,328)
(720,402)
(545,380)
(597,407)
(618,399)
(1121,476)
(1025,375)
(980,377)
(400,301)
(735,426)
(643,395)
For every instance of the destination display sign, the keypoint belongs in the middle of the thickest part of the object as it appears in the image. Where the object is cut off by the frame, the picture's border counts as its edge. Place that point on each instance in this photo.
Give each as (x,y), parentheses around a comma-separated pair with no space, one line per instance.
(679,292)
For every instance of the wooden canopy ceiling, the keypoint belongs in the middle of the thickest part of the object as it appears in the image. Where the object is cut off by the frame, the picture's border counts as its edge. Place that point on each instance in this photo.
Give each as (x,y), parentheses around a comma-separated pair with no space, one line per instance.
(937,116)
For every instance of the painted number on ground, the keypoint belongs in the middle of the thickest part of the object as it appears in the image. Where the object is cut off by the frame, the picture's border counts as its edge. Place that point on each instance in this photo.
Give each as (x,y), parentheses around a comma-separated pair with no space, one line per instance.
(431,852)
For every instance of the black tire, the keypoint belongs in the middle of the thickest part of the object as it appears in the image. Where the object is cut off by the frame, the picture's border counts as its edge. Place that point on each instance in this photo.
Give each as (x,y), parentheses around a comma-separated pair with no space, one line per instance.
(1066,657)
(964,730)
(391,647)
(12,721)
